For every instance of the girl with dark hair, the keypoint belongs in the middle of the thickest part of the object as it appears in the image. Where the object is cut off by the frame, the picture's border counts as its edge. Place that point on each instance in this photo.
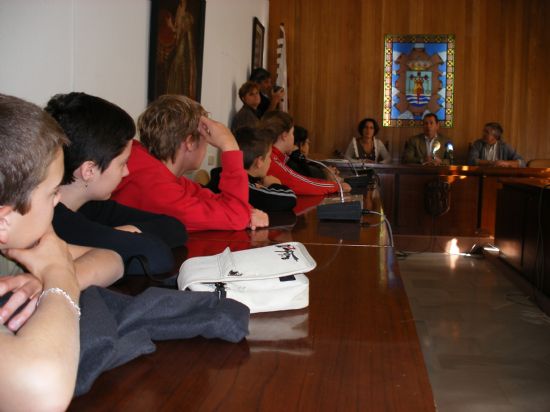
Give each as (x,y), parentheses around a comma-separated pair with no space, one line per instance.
(100,135)
(281,125)
(297,159)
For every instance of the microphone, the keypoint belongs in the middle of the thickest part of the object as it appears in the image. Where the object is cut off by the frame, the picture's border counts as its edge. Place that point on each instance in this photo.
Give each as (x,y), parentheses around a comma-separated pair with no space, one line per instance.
(342,210)
(449,152)
(341,190)
(360,180)
(436,146)
(343,156)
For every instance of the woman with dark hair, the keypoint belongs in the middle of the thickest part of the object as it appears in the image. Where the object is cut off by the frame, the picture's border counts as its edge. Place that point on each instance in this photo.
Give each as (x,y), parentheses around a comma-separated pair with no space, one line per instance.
(100,135)
(367,147)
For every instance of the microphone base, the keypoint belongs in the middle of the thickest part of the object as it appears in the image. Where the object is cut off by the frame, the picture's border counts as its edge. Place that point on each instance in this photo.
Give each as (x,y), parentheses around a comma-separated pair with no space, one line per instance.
(340,211)
(361,181)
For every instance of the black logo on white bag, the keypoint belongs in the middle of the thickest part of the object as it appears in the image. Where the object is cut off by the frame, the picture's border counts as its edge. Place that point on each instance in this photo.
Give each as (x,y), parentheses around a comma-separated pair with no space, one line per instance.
(286,252)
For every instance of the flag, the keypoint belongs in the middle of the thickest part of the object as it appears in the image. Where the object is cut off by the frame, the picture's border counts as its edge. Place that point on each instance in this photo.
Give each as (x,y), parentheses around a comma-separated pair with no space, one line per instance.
(281,66)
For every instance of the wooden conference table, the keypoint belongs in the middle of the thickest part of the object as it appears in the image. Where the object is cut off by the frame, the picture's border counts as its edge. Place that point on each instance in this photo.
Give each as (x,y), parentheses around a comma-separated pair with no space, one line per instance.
(472,196)
(354,348)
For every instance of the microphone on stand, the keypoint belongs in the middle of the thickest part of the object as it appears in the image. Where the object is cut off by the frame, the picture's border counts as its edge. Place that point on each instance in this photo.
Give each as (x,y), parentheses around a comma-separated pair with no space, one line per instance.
(341,190)
(360,180)
(343,156)
(449,152)
(341,210)
(436,146)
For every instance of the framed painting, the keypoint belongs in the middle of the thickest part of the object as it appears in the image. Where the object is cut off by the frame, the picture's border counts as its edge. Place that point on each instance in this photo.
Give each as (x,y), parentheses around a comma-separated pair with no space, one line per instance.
(418,79)
(258,32)
(175,48)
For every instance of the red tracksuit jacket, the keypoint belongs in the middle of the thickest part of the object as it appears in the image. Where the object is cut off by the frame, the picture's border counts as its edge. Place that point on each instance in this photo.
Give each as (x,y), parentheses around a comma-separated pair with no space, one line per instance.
(301,185)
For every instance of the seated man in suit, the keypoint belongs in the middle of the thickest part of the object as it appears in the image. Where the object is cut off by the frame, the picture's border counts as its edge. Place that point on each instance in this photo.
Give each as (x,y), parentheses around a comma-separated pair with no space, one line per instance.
(423,147)
(491,150)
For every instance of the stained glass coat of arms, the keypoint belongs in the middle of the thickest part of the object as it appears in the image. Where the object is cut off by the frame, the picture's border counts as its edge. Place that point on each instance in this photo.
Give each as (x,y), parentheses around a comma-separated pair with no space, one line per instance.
(418,79)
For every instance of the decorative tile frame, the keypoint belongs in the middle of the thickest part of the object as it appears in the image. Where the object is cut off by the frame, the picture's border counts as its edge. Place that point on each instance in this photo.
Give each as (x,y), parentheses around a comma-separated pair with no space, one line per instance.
(418,78)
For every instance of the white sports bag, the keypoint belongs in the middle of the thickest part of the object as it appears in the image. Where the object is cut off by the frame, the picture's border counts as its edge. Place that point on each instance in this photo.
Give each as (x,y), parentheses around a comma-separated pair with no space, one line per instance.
(265,279)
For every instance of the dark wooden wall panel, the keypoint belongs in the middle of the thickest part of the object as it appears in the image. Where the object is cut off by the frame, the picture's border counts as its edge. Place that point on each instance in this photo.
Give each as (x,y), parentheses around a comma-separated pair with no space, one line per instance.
(335,66)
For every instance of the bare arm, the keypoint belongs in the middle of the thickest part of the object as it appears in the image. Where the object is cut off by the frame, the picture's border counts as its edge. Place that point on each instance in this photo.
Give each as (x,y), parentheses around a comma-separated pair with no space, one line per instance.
(40,361)
(96,267)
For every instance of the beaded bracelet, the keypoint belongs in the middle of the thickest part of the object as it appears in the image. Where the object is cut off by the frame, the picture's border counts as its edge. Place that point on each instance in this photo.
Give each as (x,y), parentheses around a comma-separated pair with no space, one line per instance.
(61,292)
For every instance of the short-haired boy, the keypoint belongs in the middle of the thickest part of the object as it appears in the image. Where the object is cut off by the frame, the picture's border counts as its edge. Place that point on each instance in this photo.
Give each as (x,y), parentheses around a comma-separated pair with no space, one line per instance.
(39,362)
(265,192)
(174,132)
(249,93)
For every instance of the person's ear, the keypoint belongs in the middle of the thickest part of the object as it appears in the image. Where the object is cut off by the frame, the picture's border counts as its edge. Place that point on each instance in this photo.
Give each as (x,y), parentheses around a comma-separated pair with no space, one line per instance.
(257,163)
(188,144)
(5,214)
(285,137)
(86,171)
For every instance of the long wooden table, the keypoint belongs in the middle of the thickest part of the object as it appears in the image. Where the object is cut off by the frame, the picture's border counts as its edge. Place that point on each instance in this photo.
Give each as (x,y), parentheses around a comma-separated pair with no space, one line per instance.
(354,348)
(473,197)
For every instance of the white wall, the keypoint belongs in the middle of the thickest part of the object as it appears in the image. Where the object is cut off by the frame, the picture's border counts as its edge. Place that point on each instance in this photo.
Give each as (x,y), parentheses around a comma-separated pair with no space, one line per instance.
(227,55)
(227,52)
(57,46)
(101,47)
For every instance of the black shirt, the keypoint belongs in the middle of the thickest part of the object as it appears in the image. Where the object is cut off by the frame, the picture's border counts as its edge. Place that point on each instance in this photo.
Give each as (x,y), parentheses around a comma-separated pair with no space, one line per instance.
(268,199)
(298,162)
(93,225)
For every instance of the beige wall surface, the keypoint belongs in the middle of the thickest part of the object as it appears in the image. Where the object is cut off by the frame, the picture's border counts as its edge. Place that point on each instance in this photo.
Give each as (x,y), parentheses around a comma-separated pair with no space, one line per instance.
(335,66)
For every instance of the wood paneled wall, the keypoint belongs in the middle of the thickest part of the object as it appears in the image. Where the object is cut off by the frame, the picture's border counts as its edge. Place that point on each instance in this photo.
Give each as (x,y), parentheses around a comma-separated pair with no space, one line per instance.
(335,66)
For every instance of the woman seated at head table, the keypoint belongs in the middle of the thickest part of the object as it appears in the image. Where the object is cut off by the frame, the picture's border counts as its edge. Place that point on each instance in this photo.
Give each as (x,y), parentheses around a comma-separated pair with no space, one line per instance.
(491,150)
(367,147)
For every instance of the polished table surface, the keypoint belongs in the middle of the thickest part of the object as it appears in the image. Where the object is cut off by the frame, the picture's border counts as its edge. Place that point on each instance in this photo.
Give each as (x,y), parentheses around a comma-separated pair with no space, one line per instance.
(305,227)
(354,348)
